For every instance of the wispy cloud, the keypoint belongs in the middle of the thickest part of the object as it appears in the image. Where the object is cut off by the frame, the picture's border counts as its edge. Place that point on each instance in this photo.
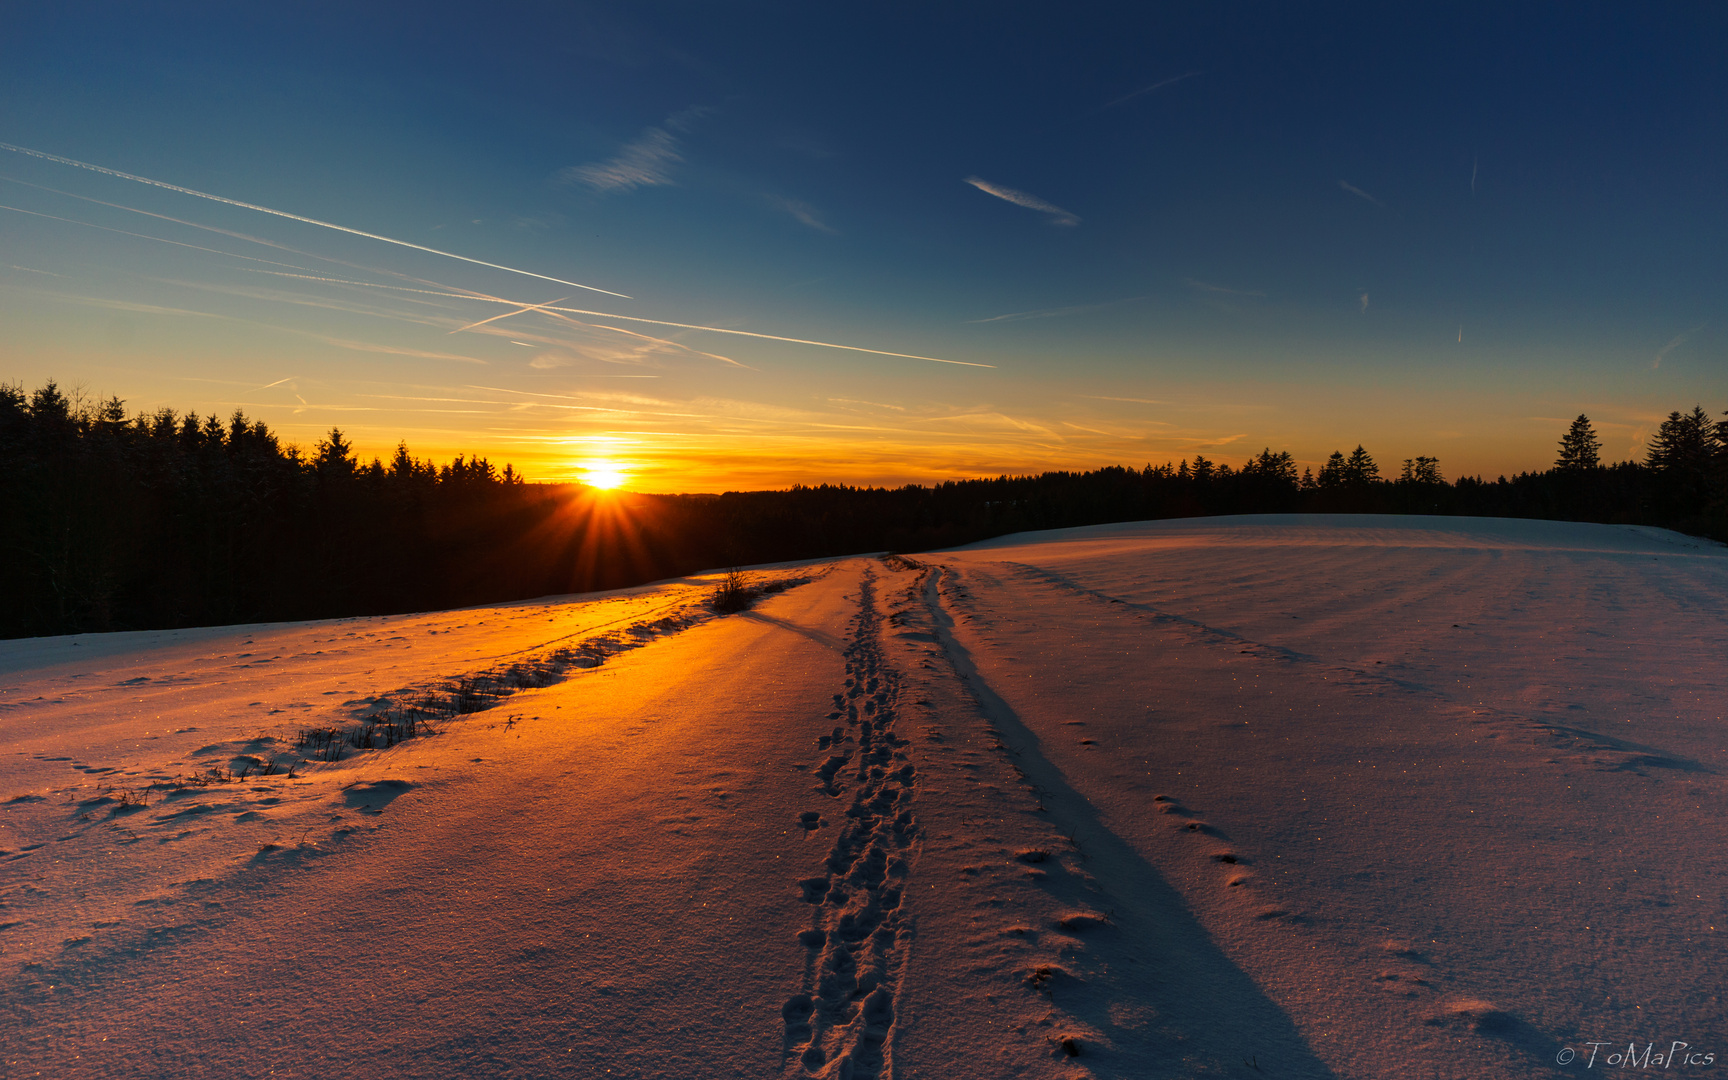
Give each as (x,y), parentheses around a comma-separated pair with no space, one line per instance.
(873,404)
(803,211)
(1679,340)
(1058,216)
(1132,400)
(1053,313)
(1354,190)
(386,350)
(1161,84)
(645,162)
(128,305)
(1363,300)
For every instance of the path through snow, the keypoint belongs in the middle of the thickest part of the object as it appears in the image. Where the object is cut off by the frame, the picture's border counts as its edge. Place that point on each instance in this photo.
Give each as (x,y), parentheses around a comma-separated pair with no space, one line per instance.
(1226,797)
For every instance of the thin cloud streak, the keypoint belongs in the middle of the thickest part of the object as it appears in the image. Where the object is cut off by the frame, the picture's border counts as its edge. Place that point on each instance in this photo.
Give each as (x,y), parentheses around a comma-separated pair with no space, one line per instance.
(386,350)
(1354,190)
(447,292)
(292,217)
(141,236)
(643,163)
(128,305)
(803,212)
(1131,400)
(1148,89)
(507,314)
(553,310)
(1058,215)
(247,237)
(1679,340)
(771,337)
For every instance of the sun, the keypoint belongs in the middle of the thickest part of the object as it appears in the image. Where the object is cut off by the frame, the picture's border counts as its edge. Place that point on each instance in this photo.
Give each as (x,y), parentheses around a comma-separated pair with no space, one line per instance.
(604,475)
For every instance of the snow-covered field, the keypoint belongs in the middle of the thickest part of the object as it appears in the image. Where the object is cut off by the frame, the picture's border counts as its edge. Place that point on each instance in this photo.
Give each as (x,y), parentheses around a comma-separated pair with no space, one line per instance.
(1231,797)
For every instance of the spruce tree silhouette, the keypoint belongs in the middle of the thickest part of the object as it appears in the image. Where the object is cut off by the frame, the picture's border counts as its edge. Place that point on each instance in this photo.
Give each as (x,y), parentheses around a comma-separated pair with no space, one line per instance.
(1421,470)
(1685,454)
(1580,449)
(1359,468)
(1332,473)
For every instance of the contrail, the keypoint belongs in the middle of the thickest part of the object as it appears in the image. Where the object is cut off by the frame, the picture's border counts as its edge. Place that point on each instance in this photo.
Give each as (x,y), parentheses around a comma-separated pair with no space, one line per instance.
(143,236)
(551,308)
(507,314)
(1026,199)
(292,217)
(1148,89)
(1354,190)
(767,337)
(521,307)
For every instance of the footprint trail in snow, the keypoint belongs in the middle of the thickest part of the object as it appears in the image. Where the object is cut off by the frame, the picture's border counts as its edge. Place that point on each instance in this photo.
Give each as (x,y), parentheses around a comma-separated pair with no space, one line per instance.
(841,1022)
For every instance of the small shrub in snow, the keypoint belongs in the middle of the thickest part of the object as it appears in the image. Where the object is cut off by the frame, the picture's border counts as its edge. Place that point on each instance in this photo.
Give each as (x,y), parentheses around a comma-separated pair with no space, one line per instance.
(734,593)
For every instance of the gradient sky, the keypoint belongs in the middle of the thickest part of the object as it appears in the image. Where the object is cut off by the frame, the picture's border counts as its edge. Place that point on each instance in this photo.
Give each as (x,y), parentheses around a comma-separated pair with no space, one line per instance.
(1178,230)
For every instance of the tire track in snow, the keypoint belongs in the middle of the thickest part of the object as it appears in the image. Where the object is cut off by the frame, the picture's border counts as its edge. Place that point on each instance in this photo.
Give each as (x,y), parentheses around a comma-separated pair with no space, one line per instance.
(841,1022)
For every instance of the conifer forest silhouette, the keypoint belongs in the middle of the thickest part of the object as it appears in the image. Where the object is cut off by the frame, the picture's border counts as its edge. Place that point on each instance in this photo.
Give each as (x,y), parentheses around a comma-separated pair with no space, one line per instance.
(118,522)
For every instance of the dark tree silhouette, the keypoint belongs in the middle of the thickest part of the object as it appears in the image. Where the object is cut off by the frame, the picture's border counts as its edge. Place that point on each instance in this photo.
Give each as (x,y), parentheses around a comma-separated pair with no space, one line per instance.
(1421,470)
(1685,455)
(1580,449)
(1333,474)
(109,522)
(1359,468)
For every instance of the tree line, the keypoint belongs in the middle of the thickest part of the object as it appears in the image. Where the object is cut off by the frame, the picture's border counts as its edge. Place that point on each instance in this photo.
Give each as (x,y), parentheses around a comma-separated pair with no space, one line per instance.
(112,522)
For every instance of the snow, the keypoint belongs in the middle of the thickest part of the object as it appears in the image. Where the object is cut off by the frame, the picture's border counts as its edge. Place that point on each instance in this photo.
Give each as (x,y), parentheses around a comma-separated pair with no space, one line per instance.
(1289,796)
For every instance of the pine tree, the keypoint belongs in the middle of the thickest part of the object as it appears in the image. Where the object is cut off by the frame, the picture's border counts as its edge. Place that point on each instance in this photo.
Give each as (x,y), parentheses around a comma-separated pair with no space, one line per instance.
(1279,466)
(1684,443)
(1332,473)
(335,458)
(1683,454)
(1579,447)
(1359,468)
(1421,470)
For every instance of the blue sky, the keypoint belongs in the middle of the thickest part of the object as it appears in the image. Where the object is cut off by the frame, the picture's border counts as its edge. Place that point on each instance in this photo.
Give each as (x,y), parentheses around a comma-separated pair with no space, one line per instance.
(1169,231)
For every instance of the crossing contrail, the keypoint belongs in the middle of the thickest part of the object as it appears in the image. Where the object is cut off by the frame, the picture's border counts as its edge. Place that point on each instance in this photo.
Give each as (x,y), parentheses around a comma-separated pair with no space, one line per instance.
(552,307)
(507,314)
(765,337)
(292,217)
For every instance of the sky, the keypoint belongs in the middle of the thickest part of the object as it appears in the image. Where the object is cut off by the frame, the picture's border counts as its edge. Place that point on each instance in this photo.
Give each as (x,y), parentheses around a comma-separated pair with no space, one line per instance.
(1002,238)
